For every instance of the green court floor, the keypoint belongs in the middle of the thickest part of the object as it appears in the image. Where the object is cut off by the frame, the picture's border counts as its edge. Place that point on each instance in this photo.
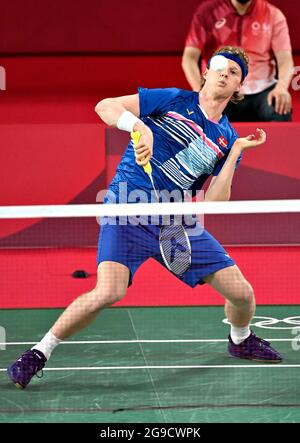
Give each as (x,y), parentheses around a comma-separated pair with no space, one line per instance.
(153,365)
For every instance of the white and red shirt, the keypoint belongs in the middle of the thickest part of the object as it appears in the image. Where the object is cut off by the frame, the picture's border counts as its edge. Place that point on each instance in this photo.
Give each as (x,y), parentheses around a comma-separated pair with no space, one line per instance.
(261,32)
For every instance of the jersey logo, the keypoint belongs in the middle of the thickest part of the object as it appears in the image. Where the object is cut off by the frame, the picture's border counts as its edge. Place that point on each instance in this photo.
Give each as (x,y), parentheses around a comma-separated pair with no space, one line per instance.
(266,28)
(222,141)
(189,112)
(220,23)
(255,28)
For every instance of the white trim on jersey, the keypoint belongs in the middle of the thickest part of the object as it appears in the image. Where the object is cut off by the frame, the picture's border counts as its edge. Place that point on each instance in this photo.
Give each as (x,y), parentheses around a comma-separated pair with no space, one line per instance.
(173,134)
(199,156)
(171,167)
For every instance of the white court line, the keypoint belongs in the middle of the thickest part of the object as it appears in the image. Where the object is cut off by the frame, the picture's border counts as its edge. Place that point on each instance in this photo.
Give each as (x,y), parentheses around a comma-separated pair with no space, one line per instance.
(120,368)
(90,342)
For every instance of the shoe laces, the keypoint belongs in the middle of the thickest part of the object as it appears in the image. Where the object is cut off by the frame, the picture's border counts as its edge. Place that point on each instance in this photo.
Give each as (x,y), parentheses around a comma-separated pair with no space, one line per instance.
(40,374)
(261,340)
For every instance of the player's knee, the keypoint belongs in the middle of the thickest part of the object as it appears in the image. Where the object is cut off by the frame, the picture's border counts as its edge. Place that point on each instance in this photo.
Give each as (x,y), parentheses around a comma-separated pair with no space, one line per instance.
(249,293)
(107,296)
(245,294)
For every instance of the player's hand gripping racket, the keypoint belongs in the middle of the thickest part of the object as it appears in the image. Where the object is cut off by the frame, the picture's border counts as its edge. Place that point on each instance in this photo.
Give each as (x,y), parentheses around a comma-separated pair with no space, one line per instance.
(174,243)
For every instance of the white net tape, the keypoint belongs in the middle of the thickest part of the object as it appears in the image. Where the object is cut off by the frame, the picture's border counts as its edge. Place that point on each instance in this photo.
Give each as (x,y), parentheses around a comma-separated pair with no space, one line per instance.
(114,210)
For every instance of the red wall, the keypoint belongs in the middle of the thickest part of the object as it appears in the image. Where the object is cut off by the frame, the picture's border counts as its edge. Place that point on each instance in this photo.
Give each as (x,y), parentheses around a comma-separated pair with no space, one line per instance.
(78,75)
(66,89)
(36,26)
(41,278)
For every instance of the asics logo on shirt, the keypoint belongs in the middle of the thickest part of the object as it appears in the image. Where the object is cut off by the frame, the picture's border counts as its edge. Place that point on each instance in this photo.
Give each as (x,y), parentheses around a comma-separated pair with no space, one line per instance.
(220,23)
(189,112)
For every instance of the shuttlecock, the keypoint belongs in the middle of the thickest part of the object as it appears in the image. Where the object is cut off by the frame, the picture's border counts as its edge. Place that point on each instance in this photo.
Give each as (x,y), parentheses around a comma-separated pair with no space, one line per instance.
(218,63)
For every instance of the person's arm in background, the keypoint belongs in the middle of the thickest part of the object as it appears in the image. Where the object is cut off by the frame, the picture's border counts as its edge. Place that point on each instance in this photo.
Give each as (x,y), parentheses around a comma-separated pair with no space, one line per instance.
(190,66)
(282,49)
(283,100)
(194,44)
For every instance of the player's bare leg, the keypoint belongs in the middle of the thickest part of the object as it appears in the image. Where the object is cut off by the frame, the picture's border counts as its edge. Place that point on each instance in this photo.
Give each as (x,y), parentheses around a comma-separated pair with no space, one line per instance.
(239,309)
(239,295)
(112,282)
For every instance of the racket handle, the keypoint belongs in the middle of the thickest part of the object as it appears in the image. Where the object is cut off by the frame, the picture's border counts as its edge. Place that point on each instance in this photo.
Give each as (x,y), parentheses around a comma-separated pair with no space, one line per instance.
(136,137)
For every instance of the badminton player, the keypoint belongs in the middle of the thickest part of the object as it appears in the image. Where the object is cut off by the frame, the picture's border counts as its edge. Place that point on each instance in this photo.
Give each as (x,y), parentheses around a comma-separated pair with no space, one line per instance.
(187,140)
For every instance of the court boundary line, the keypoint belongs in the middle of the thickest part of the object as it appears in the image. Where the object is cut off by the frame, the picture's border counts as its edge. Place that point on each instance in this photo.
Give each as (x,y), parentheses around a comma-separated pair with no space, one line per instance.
(109,342)
(121,368)
(139,408)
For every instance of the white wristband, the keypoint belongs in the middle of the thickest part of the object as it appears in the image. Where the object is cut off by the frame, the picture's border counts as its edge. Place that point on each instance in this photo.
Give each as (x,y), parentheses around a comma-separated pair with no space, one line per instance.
(126,121)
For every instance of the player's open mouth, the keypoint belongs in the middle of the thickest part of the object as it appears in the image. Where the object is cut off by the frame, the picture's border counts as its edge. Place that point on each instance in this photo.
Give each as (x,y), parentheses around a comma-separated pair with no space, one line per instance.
(221,83)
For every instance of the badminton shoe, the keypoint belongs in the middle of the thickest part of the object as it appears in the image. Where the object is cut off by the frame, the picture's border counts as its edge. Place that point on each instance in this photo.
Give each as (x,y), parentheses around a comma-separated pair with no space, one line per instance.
(254,348)
(29,364)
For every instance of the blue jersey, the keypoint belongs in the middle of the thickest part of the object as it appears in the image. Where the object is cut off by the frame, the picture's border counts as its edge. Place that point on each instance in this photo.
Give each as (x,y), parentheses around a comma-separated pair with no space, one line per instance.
(188,147)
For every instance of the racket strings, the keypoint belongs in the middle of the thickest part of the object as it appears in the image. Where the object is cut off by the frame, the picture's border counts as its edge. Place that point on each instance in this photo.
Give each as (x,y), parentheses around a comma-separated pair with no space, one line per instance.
(175,248)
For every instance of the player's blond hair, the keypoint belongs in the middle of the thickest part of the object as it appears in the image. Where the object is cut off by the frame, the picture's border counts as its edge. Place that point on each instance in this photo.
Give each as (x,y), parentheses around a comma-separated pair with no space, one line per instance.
(237,96)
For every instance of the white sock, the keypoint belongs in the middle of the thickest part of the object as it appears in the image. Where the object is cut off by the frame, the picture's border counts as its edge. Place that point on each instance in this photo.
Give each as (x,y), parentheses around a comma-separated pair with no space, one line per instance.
(239,334)
(47,344)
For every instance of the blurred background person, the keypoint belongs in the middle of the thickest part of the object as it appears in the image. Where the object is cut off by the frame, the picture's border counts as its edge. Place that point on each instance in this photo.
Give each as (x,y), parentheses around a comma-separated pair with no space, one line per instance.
(261,30)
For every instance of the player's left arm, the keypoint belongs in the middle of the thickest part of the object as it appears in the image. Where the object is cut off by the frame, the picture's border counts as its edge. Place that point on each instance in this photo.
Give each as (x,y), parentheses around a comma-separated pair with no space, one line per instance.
(280,94)
(220,186)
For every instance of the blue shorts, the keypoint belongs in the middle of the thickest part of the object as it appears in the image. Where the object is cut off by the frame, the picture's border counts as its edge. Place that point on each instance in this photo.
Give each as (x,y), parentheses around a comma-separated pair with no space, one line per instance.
(133,245)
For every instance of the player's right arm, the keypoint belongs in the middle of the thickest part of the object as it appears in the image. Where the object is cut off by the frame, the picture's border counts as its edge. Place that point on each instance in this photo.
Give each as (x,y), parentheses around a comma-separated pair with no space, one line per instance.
(190,66)
(118,109)
(110,109)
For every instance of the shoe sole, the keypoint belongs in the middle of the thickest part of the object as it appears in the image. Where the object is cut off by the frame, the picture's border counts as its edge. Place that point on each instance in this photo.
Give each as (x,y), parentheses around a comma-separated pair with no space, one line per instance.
(256,359)
(18,386)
